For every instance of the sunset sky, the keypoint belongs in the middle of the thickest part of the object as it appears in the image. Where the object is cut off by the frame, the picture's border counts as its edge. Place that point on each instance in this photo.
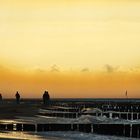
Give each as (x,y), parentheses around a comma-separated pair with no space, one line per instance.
(72,48)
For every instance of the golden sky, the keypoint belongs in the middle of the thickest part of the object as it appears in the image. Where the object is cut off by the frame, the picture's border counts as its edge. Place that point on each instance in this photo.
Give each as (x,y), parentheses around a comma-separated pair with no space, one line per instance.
(73,48)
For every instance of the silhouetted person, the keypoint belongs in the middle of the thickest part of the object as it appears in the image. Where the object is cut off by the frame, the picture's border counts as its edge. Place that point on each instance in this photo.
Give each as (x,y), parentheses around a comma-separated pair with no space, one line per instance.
(46,98)
(0,97)
(17,98)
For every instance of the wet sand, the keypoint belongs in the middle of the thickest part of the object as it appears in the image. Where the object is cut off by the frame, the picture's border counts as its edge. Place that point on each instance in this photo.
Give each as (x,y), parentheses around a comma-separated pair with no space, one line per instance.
(10,139)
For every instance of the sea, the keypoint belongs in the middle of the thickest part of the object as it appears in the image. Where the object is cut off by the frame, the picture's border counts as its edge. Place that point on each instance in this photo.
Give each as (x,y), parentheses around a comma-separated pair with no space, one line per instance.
(69,135)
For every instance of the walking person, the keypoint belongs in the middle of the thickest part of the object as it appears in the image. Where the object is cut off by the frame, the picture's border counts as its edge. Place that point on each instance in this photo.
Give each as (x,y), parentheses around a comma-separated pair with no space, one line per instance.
(17,97)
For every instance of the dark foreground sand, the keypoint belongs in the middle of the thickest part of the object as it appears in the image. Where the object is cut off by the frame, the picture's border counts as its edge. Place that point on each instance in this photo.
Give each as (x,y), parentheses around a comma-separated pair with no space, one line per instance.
(10,111)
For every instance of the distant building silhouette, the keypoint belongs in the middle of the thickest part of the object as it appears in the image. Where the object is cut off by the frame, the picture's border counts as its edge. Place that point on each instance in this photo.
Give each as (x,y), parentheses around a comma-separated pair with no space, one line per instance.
(46,98)
(126,94)
(17,97)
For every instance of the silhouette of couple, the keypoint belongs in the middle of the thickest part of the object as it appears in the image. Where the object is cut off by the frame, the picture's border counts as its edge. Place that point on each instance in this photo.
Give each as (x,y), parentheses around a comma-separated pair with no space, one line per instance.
(46,98)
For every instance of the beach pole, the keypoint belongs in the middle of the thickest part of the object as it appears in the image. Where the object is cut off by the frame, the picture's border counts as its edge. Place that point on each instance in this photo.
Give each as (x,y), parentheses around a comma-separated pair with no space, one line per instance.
(6,127)
(35,127)
(138,132)
(71,126)
(130,130)
(77,127)
(76,115)
(14,127)
(92,128)
(137,116)
(124,129)
(119,115)
(110,115)
(101,113)
(132,116)
(127,115)
(22,128)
